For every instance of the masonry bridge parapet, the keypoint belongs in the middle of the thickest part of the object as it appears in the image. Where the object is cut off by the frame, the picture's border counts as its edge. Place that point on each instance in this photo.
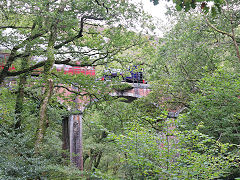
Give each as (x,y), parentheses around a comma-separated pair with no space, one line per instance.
(137,91)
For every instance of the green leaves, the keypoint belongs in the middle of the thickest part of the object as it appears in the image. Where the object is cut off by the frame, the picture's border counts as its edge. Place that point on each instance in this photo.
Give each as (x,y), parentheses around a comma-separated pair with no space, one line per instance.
(122,87)
(188,4)
(217,105)
(155,2)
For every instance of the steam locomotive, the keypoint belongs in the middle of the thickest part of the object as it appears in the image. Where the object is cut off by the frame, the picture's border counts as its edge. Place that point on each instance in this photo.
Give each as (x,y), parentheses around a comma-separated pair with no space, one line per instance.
(134,74)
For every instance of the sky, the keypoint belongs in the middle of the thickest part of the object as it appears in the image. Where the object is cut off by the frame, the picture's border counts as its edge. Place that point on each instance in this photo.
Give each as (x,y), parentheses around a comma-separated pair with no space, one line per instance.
(157,11)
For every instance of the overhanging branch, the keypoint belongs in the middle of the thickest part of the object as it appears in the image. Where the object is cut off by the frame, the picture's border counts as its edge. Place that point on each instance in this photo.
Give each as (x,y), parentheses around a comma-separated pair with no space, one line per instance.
(218,30)
(102,4)
(72,91)
(15,27)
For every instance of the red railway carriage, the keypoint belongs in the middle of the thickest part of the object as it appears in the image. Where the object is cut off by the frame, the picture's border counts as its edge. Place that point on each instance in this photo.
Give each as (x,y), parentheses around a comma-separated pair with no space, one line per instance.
(87,70)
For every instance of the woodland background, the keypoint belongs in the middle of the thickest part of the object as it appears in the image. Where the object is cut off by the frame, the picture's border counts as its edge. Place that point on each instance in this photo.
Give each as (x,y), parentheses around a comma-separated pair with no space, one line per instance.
(194,66)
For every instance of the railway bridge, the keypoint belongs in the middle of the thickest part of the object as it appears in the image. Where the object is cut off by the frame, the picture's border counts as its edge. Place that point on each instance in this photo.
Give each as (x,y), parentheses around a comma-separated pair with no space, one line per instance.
(72,125)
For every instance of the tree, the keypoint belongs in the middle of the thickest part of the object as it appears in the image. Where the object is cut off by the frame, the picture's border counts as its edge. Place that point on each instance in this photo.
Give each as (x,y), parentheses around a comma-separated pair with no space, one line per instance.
(41,34)
(60,33)
(75,22)
(183,55)
(187,5)
(198,70)
(227,23)
(216,106)
(226,9)
(131,149)
(173,154)
(186,60)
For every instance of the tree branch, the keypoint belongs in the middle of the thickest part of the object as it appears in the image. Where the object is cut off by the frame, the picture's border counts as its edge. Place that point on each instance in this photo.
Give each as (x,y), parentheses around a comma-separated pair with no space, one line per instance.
(72,91)
(72,38)
(102,4)
(15,27)
(12,56)
(80,33)
(218,30)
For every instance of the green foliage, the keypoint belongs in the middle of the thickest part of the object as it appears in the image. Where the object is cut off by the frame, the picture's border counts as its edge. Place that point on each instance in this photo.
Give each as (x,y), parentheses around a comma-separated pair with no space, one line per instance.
(123,141)
(173,154)
(141,153)
(19,161)
(192,4)
(122,87)
(17,156)
(6,106)
(184,54)
(133,149)
(216,106)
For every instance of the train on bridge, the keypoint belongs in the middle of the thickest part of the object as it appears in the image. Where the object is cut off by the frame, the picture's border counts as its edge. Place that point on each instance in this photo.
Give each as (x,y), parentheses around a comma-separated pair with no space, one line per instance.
(134,74)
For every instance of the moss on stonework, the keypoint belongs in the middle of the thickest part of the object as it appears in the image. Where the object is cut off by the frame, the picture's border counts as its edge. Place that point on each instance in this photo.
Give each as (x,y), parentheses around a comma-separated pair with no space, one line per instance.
(122,87)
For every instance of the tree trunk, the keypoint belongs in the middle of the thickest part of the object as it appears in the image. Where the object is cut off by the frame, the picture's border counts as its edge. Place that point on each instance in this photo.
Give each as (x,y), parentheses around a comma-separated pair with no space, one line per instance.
(48,86)
(22,83)
(76,147)
(21,86)
(43,115)
(65,138)
(20,100)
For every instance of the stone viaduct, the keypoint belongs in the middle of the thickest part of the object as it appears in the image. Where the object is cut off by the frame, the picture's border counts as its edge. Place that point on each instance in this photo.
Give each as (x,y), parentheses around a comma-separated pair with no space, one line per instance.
(72,125)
